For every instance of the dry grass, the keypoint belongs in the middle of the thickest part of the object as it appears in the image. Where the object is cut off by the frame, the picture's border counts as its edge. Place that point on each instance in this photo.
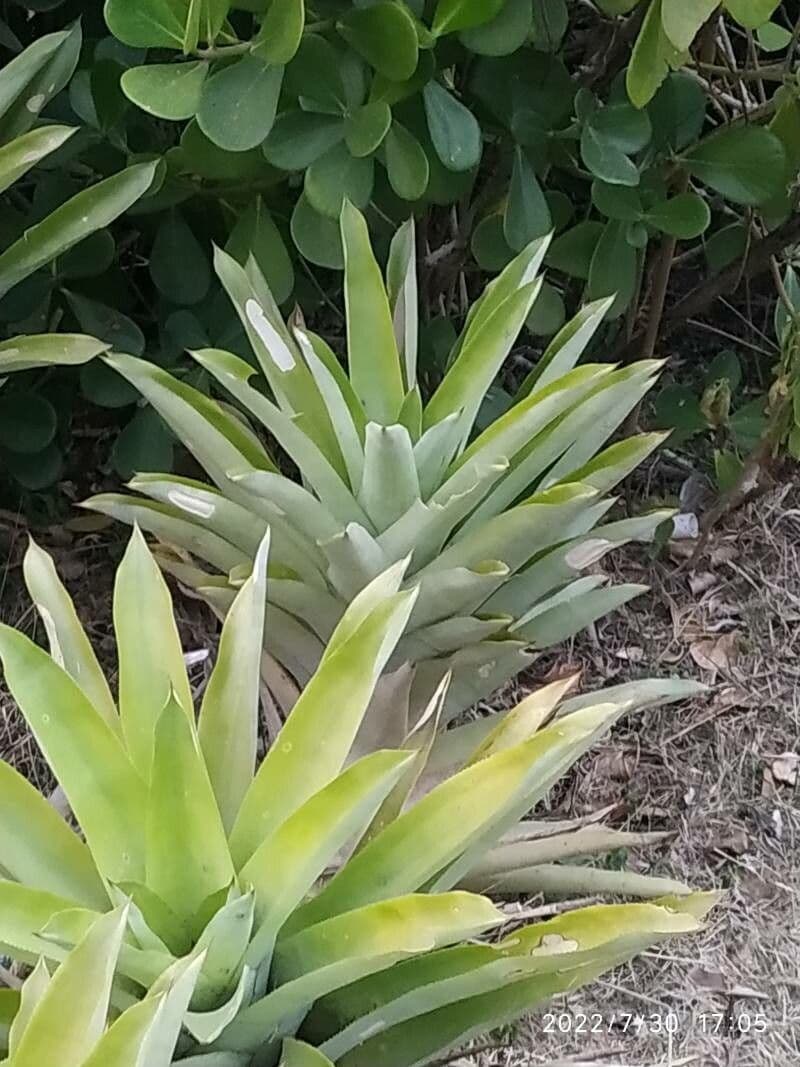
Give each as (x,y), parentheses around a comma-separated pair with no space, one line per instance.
(703,769)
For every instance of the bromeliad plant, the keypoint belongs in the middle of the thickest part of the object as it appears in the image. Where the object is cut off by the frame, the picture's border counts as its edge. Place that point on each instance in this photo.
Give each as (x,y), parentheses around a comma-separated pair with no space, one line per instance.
(500,528)
(61,1018)
(309,896)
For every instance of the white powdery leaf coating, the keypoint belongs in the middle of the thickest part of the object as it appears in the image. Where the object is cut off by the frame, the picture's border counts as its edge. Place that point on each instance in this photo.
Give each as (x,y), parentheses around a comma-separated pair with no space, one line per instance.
(204,509)
(36,103)
(274,343)
(588,553)
(52,635)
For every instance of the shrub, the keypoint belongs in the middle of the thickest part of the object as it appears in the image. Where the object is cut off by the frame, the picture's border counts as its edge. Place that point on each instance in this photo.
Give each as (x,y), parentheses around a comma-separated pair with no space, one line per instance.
(412,107)
(741,431)
(29,419)
(516,120)
(218,858)
(499,529)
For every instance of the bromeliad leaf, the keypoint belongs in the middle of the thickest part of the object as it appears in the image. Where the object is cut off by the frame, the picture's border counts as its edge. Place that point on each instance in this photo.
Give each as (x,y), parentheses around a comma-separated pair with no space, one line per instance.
(86,212)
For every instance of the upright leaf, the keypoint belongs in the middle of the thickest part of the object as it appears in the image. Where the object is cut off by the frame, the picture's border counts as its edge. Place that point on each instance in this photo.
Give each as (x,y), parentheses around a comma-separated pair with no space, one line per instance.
(69,645)
(181,804)
(103,789)
(228,724)
(150,656)
(372,353)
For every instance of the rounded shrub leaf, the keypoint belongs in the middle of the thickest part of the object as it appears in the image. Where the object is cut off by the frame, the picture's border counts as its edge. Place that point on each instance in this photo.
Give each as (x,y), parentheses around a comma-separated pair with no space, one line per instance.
(281,31)
(677,113)
(527,214)
(745,164)
(385,35)
(255,234)
(752,13)
(238,105)
(317,237)
(90,258)
(685,216)
(337,175)
(105,387)
(146,23)
(572,251)
(35,470)
(145,444)
(503,34)
(178,265)
(367,127)
(100,320)
(27,422)
(298,138)
(202,157)
(620,202)
(406,163)
(166,90)
(453,15)
(602,157)
(678,408)
(548,313)
(489,245)
(454,130)
(613,268)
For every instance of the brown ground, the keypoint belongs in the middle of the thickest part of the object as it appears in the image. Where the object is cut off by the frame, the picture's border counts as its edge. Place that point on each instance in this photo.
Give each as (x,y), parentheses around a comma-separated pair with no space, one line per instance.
(722,772)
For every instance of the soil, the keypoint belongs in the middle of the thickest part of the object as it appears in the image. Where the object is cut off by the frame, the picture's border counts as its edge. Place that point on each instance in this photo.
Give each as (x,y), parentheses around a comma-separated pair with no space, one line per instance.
(721,772)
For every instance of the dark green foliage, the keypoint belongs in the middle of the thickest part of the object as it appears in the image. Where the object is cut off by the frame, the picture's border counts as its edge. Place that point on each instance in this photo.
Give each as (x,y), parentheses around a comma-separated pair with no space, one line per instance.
(492,121)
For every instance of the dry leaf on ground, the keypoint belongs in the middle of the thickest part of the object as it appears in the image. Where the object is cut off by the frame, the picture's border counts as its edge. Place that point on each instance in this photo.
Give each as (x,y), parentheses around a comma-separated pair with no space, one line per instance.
(716,654)
(785,768)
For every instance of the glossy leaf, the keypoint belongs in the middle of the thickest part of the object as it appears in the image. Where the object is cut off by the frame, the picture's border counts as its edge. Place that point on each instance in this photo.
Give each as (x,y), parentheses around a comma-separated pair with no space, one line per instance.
(238,104)
(148,23)
(454,130)
(385,35)
(746,164)
(281,32)
(685,216)
(298,138)
(17,157)
(406,163)
(453,15)
(527,213)
(168,90)
(338,176)
(367,127)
